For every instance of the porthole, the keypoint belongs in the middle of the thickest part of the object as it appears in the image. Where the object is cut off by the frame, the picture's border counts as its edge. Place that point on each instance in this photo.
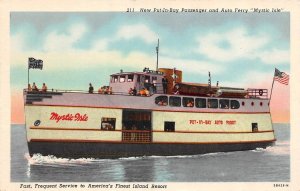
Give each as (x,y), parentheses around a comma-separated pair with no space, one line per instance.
(261,103)
(37,123)
(252,103)
(243,103)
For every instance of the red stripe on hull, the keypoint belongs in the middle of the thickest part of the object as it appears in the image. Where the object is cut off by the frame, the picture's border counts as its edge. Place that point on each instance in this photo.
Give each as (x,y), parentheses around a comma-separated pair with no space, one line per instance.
(139,131)
(121,142)
(147,109)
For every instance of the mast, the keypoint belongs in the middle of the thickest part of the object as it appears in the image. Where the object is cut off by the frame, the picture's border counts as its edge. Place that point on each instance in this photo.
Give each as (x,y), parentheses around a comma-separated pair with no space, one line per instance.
(157,48)
(27,72)
(209,83)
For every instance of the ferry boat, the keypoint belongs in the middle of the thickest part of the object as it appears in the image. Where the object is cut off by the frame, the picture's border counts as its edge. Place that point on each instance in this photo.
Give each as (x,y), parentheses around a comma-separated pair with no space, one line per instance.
(135,115)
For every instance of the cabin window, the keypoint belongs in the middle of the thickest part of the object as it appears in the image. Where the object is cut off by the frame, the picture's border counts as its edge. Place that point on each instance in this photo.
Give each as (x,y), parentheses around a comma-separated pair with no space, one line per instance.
(212,103)
(154,80)
(122,79)
(175,101)
(188,102)
(224,103)
(169,126)
(234,104)
(115,78)
(108,124)
(130,78)
(200,102)
(147,79)
(254,127)
(161,100)
(138,78)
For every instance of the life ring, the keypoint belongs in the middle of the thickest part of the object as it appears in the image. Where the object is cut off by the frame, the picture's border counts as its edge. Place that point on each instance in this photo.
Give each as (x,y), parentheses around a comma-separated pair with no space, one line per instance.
(260,92)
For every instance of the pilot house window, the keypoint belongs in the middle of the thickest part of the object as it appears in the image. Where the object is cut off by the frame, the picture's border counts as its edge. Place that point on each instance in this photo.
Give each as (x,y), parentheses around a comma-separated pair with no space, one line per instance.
(115,79)
(130,78)
(147,79)
(122,78)
(108,124)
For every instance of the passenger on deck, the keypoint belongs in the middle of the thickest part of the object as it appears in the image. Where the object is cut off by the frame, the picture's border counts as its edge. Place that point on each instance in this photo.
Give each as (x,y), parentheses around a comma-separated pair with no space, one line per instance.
(91,89)
(29,89)
(151,89)
(147,92)
(100,90)
(154,88)
(103,90)
(142,92)
(44,88)
(165,84)
(109,90)
(34,87)
(134,91)
(130,92)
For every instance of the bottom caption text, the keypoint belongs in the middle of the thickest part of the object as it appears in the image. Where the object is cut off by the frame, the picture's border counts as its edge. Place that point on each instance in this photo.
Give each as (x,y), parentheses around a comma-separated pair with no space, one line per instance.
(90,185)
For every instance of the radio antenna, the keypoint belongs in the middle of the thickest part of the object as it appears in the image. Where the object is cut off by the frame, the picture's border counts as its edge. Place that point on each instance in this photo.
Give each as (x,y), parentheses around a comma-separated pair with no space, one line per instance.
(157,49)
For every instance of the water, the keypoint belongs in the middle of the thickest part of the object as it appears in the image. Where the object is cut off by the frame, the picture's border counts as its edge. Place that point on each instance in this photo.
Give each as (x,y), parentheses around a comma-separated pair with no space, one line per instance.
(261,165)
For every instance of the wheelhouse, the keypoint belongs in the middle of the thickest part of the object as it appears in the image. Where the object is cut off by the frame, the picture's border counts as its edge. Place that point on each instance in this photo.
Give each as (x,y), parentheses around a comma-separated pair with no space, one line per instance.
(123,81)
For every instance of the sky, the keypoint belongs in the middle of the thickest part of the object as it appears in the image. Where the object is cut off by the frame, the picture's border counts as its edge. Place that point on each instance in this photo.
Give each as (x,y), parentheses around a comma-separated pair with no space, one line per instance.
(238,49)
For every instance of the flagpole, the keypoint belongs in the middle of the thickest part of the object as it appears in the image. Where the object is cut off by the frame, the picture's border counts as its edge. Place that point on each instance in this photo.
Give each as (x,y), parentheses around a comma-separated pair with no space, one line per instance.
(28,71)
(272,88)
(157,49)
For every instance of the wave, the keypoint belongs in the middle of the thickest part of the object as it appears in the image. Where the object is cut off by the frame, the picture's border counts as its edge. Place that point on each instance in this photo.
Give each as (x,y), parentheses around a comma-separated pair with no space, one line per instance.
(280,148)
(280,143)
(38,159)
(277,150)
(50,160)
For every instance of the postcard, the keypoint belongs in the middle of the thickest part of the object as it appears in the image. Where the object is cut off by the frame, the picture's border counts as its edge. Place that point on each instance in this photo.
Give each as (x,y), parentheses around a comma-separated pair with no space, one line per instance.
(136,95)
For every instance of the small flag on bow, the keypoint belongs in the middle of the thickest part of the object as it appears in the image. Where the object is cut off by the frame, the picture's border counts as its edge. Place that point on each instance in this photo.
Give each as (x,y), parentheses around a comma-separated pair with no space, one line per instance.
(35,64)
(281,77)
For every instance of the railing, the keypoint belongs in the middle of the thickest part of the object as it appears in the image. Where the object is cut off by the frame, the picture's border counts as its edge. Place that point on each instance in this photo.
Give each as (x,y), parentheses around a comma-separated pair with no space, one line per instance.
(253,93)
(77,91)
(55,91)
(136,136)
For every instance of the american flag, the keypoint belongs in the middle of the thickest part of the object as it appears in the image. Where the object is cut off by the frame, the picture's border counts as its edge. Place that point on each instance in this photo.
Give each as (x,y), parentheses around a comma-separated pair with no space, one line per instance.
(281,77)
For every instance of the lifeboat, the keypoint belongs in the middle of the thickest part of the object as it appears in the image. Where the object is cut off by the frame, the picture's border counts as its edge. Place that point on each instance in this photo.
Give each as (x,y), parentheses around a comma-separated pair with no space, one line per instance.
(231,92)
